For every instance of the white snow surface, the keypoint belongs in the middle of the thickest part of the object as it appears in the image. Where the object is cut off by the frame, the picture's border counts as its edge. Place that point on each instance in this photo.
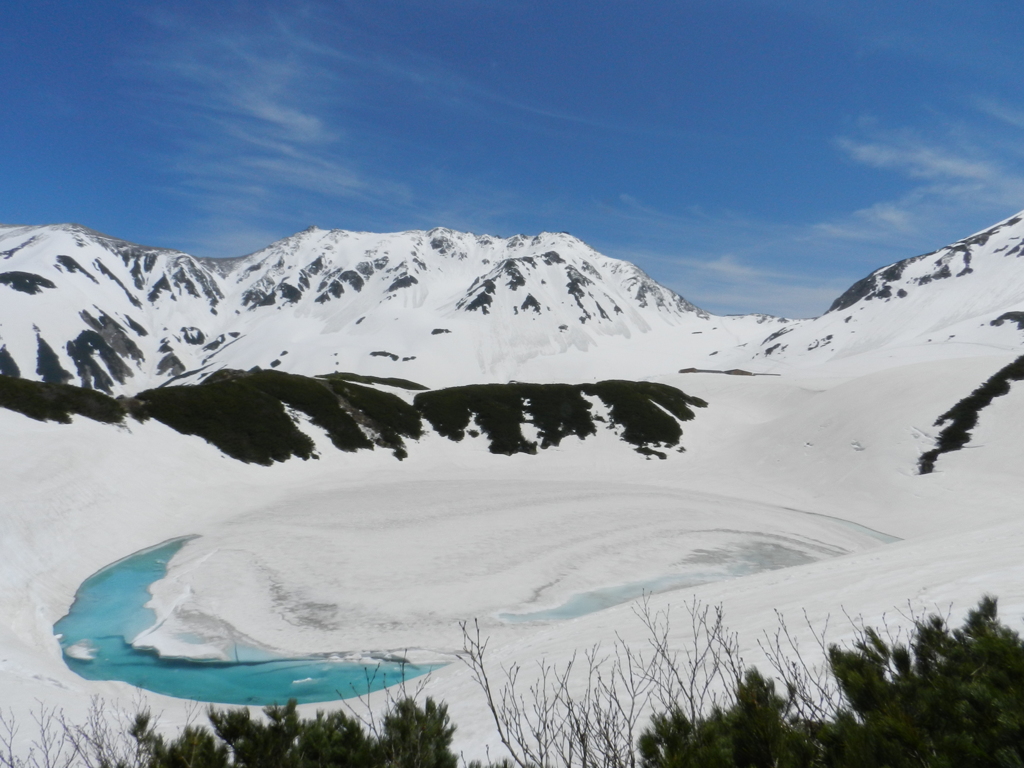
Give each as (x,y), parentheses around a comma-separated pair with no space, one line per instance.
(806,475)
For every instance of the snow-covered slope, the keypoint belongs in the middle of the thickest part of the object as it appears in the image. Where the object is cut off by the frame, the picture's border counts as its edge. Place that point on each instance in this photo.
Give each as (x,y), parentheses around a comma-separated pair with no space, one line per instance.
(967,298)
(102,313)
(358,552)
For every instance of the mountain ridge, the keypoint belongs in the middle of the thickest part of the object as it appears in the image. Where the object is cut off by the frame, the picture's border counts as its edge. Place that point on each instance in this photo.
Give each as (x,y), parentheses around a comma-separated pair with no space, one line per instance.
(451,307)
(333,279)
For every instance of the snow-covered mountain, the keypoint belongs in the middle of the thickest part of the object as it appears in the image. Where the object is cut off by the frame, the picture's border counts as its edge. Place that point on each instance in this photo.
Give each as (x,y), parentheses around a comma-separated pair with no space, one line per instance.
(447,307)
(969,295)
(82,307)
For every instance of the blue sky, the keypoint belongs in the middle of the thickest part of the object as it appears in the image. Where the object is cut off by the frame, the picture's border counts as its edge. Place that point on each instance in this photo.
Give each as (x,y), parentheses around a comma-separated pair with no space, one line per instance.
(754,155)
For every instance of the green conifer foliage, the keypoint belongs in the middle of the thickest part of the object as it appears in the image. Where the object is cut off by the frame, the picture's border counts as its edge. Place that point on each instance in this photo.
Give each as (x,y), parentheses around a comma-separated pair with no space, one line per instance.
(57,402)
(757,731)
(255,744)
(334,739)
(409,736)
(944,698)
(417,737)
(947,698)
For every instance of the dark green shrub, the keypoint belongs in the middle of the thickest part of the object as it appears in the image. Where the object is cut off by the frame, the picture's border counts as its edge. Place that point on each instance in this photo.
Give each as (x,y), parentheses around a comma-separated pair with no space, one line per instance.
(417,737)
(963,417)
(498,409)
(243,412)
(557,411)
(946,698)
(387,414)
(255,744)
(410,736)
(449,410)
(672,741)
(192,748)
(388,381)
(315,399)
(335,739)
(756,732)
(633,405)
(233,415)
(761,729)
(57,402)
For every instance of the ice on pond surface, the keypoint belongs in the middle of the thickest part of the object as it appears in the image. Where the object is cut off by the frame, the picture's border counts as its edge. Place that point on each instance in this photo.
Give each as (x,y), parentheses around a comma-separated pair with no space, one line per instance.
(739,553)
(110,610)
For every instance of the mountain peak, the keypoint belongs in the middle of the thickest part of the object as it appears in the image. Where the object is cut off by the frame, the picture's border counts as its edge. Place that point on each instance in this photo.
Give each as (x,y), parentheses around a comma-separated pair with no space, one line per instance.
(119,316)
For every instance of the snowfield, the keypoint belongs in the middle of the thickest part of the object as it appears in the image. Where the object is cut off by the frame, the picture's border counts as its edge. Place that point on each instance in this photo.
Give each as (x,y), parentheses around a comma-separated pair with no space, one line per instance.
(360,552)
(796,493)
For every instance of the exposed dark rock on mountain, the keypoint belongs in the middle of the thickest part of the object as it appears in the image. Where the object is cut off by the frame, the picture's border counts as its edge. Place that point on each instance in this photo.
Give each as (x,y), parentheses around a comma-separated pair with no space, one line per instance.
(26,282)
(951,261)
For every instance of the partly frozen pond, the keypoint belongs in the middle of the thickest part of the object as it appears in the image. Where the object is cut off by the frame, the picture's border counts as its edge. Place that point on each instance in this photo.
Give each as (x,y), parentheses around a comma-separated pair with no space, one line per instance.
(739,553)
(110,610)
(230,591)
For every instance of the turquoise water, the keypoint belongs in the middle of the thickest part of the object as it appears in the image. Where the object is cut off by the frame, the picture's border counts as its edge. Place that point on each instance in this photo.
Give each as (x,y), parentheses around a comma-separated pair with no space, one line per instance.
(752,556)
(597,600)
(109,610)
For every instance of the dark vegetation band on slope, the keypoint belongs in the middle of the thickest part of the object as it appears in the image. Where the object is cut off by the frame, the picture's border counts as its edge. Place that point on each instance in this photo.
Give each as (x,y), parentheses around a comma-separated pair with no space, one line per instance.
(384,413)
(246,414)
(389,381)
(243,414)
(647,413)
(46,401)
(963,417)
(638,407)
(556,410)
(233,414)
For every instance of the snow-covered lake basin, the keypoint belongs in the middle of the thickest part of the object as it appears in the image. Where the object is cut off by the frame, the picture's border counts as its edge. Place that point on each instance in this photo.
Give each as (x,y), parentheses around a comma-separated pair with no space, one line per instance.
(167,619)
(110,611)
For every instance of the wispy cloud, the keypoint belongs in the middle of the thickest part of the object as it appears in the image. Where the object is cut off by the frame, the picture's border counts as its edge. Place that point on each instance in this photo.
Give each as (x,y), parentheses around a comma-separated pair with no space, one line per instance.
(726,284)
(917,159)
(1011,115)
(959,174)
(258,135)
(728,263)
(274,118)
(277,124)
(960,178)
